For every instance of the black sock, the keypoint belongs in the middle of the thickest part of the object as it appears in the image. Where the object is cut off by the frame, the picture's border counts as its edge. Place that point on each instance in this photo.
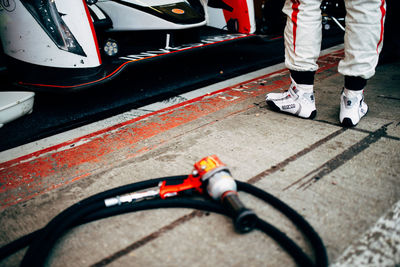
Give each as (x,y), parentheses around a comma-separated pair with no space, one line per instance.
(354,83)
(303,77)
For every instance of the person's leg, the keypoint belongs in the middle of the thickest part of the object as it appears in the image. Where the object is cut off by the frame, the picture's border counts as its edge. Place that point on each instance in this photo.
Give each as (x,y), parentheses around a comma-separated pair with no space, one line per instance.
(302,36)
(363,42)
(302,47)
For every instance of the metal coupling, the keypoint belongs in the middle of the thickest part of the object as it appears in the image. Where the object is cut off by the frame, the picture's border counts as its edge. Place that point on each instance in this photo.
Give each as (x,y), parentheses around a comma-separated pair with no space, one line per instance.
(131,197)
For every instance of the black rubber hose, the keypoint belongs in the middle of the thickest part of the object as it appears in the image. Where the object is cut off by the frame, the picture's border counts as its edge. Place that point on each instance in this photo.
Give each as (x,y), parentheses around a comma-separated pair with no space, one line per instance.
(66,219)
(321,257)
(41,246)
(26,240)
(292,248)
(95,210)
(316,242)
(18,244)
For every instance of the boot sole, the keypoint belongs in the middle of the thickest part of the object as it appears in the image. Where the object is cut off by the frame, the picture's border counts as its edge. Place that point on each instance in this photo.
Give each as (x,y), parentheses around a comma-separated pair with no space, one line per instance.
(347,123)
(274,107)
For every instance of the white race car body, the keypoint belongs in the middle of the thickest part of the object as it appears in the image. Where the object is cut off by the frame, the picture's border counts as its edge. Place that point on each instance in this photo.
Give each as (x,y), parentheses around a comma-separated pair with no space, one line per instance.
(26,37)
(63,42)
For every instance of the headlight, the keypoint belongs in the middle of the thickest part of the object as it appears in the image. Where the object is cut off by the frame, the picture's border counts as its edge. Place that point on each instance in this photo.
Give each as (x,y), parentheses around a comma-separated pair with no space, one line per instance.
(46,14)
(111,47)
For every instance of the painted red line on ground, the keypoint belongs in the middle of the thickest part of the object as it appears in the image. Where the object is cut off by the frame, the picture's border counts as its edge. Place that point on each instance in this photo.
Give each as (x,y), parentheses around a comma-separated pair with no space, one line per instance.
(117,126)
(31,175)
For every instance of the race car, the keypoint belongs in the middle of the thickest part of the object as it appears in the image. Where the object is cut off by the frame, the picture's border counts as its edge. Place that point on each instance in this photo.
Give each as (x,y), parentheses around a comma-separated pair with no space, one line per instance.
(75,44)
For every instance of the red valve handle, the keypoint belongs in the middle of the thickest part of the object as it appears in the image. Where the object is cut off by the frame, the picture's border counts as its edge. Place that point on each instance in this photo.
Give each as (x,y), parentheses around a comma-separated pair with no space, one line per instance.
(172,188)
(202,169)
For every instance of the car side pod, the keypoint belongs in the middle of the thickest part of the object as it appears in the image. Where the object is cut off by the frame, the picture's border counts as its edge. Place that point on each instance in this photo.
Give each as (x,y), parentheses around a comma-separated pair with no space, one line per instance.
(14,105)
(70,45)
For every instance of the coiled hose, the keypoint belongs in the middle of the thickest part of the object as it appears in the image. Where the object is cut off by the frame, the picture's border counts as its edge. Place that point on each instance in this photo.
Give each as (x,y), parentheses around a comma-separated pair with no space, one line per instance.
(93,208)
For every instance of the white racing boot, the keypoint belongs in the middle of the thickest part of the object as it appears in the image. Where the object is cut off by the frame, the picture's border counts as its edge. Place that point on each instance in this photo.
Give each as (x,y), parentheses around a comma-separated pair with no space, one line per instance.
(297,100)
(352,107)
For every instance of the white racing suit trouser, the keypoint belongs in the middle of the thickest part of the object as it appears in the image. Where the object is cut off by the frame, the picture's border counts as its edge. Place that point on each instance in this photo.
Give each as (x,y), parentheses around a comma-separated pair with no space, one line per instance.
(363,38)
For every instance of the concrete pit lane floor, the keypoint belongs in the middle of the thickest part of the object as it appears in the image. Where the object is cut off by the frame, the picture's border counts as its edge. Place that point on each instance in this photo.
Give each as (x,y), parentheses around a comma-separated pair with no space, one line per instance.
(344,181)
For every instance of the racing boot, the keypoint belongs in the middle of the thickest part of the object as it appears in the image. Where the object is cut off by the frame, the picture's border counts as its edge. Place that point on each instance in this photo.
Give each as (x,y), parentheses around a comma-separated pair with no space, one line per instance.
(297,100)
(352,107)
